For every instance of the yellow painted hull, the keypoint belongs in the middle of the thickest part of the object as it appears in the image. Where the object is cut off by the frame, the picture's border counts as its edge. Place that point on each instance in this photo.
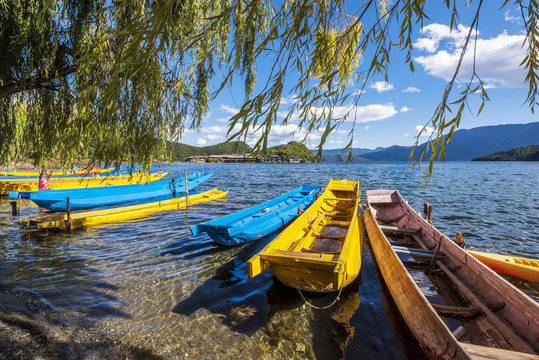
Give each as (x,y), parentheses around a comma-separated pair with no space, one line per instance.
(55,172)
(321,250)
(523,268)
(69,183)
(90,218)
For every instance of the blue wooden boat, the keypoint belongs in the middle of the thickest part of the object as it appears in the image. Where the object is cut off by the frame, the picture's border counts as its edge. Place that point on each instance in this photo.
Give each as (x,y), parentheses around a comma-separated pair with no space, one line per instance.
(260,220)
(56,200)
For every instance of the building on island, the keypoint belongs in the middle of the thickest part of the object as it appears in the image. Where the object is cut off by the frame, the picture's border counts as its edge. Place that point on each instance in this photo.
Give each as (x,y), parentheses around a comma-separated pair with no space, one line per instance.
(240,158)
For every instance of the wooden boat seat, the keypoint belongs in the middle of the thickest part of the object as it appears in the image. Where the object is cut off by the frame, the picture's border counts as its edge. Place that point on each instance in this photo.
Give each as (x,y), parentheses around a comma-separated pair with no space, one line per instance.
(326,245)
(333,232)
(416,251)
(392,198)
(398,230)
(336,223)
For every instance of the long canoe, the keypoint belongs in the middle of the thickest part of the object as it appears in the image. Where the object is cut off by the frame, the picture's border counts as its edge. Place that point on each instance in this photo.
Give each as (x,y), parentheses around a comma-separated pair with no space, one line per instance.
(57,172)
(85,182)
(69,177)
(321,250)
(56,200)
(80,220)
(520,267)
(260,220)
(456,307)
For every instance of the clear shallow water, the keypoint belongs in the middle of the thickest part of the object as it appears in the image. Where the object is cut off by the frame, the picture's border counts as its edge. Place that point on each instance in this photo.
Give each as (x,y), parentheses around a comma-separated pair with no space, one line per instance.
(147,288)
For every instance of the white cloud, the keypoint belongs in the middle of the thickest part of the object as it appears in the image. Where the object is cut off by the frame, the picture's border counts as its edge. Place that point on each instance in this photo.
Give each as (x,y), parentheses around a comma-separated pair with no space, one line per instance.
(201,141)
(367,127)
(411,89)
(214,129)
(215,137)
(372,112)
(435,33)
(223,120)
(428,131)
(510,18)
(405,109)
(497,61)
(406,134)
(382,86)
(228,109)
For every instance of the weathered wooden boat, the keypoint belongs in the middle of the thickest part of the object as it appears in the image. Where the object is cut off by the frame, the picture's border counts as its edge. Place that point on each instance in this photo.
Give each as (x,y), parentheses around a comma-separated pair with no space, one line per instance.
(260,220)
(321,250)
(57,172)
(456,307)
(524,268)
(78,220)
(56,200)
(80,182)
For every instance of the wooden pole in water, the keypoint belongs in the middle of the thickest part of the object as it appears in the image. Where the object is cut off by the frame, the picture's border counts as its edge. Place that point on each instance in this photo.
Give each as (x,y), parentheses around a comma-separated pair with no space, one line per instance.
(14,209)
(174,188)
(427,209)
(68,214)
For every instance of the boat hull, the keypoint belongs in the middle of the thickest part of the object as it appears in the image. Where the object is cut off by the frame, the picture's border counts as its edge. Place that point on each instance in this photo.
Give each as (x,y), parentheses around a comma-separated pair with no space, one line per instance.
(79,183)
(113,195)
(321,250)
(490,312)
(260,220)
(527,269)
(79,220)
(35,173)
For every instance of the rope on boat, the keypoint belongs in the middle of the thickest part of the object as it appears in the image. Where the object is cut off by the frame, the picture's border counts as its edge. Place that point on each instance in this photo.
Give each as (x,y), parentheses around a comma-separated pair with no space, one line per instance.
(314,306)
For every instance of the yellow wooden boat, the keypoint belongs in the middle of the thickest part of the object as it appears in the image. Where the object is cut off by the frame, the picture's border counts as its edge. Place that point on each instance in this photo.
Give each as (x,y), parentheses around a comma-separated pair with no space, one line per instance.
(321,250)
(60,172)
(88,218)
(523,268)
(74,183)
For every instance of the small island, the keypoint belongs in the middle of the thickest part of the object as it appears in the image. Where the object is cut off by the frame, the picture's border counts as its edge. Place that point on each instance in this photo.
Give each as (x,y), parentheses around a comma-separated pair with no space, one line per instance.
(524,153)
(240,152)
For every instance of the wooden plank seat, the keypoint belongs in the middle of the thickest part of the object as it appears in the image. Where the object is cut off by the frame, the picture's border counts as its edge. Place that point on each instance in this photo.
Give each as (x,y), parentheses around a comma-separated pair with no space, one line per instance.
(333,232)
(398,230)
(326,245)
(416,251)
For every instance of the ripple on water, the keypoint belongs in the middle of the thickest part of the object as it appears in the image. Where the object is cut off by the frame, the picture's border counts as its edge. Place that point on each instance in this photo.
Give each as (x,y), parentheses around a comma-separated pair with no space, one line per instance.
(149,285)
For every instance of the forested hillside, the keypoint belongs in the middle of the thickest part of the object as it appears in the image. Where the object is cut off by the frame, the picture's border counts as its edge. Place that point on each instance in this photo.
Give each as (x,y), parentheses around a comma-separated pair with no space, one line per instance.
(290,150)
(180,152)
(525,153)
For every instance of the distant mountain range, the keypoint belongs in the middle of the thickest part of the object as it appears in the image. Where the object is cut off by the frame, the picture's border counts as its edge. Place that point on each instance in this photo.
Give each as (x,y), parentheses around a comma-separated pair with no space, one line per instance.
(466,144)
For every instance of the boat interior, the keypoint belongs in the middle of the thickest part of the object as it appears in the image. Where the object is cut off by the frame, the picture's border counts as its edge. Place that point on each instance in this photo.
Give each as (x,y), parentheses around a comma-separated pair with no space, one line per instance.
(325,231)
(459,295)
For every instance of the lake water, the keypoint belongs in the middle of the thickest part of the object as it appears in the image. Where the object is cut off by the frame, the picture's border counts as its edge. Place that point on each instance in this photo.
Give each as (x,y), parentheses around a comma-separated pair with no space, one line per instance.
(148,289)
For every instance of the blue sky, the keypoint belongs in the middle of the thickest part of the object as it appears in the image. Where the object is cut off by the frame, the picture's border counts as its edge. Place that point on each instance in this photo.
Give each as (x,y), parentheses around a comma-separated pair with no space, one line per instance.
(391,113)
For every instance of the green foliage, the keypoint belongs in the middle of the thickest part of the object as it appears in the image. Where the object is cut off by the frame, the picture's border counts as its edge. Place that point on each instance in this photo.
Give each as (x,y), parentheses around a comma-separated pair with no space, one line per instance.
(114,81)
(525,153)
(290,150)
(180,152)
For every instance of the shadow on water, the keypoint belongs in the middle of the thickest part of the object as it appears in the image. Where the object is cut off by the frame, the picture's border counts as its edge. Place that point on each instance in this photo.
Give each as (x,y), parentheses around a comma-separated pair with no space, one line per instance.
(229,291)
(381,334)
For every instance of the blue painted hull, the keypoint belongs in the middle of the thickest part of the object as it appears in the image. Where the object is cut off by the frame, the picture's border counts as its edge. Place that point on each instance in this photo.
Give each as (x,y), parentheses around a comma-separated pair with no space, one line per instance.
(260,220)
(56,200)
